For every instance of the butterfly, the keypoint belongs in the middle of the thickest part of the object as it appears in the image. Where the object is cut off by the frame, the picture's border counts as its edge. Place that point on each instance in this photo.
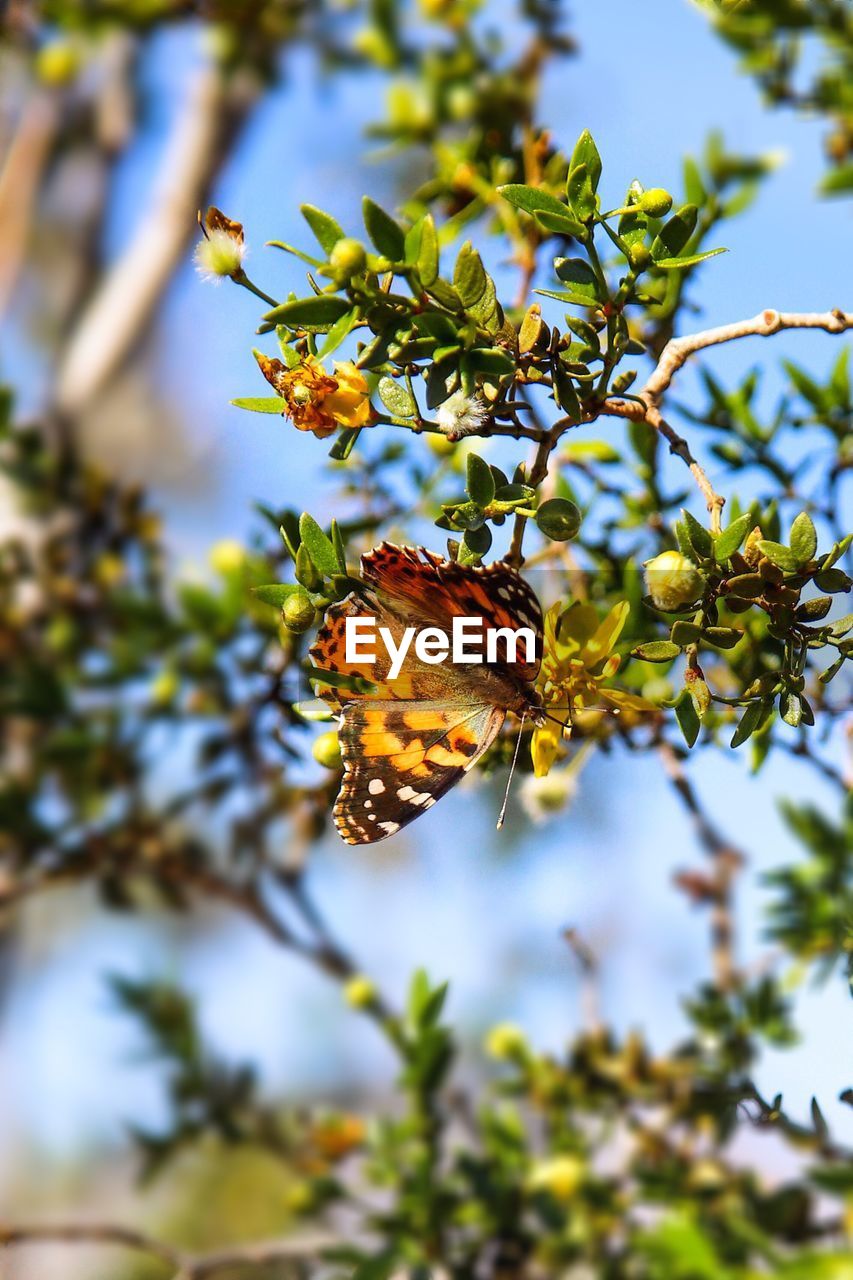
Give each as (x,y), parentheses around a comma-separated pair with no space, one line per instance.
(406,744)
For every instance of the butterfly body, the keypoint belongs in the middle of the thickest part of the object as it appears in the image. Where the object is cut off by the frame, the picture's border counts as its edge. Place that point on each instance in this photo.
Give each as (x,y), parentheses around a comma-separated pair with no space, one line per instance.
(407,744)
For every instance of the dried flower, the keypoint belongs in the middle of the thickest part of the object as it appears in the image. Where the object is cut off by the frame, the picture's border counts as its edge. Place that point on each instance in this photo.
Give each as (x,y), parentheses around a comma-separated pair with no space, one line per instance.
(316,401)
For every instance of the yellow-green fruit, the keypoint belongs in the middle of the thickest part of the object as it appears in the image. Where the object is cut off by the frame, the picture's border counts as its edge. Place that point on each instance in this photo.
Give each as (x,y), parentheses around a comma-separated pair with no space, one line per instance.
(639,257)
(57,63)
(359,992)
(327,750)
(656,202)
(298,612)
(348,258)
(672,580)
(505,1041)
(560,1176)
(440,445)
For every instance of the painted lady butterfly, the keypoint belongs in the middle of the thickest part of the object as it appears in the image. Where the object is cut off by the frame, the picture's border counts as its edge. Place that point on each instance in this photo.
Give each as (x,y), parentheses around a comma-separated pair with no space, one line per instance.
(408,743)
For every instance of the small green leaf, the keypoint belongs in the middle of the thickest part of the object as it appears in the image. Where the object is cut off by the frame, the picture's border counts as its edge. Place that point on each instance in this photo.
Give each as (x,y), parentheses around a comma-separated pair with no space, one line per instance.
(581,192)
(689,260)
(316,314)
(562,224)
(397,398)
(481,482)
(532,200)
(318,546)
(656,651)
(260,404)
(803,538)
(469,275)
(327,230)
(338,333)
(687,717)
(386,234)
(586,153)
(675,233)
(427,259)
(833,581)
(783,557)
(275,593)
(727,542)
(700,539)
(751,720)
(722,637)
(791,708)
(580,277)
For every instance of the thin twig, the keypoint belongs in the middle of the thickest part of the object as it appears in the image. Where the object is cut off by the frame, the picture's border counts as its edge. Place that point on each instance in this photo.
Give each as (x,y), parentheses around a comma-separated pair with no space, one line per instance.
(727,861)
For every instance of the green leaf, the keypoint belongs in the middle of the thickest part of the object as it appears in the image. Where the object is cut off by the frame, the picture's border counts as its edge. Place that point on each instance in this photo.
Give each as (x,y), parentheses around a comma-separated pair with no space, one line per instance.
(340,680)
(327,230)
(580,277)
(344,443)
(687,717)
(275,593)
(803,538)
(833,580)
(791,708)
(656,651)
(469,275)
(422,250)
(727,542)
(397,398)
(338,544)
(532,200)
(386,234)
(779,555)
(722,637)
(494,361)
(297,253)
(481,482)
(260,404)
(559,519)
(338,333)
(316,314)
(690,260)
(581,192)
(318,546)
(562,224)
(699,537)
(586,153)
(751,720)
(675,233)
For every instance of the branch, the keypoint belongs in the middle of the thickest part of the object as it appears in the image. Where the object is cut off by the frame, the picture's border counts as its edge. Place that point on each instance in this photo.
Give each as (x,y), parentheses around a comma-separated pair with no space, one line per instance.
(20,182)
(185,1266)
(676,353)
(727,861)
(122,307)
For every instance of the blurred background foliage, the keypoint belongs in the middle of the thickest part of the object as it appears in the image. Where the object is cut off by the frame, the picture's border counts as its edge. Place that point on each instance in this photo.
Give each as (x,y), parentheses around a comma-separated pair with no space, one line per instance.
(157,770)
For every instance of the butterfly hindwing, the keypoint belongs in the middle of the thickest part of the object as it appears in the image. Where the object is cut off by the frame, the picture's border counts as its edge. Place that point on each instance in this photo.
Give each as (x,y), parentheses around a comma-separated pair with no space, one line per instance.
(400,757)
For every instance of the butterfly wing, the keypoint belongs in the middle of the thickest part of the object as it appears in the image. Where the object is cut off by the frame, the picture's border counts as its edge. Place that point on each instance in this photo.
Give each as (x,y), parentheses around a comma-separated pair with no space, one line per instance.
(439,590)
(400,757)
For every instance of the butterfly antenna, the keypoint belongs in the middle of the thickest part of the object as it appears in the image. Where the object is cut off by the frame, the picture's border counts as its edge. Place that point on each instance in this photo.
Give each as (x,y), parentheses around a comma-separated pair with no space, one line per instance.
(502,813)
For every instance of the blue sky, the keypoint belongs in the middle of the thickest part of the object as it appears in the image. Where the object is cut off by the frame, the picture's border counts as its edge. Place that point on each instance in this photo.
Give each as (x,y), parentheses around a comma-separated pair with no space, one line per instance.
(484,911)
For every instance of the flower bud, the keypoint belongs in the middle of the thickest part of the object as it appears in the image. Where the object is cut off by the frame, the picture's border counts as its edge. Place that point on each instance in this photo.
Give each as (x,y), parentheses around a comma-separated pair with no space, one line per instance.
(327,750)
(672,580)
(348,258)
(505,1041)
(227,556)
(359,991)
(298,612)
(656,202)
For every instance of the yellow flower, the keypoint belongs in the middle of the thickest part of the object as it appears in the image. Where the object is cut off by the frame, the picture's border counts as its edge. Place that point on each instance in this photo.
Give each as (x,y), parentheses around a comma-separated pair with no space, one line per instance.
(560,1176)
(316,401)
(577,660)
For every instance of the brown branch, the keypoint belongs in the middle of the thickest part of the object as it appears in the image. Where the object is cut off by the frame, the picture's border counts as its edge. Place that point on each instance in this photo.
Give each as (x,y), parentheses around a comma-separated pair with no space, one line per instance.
(185,1265)
(20,182)
(727,860)
(122,307)
(646,406)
